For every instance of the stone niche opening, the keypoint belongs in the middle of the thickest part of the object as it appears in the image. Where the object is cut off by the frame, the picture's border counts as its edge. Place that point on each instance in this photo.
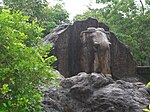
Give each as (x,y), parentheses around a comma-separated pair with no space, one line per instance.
(67,48)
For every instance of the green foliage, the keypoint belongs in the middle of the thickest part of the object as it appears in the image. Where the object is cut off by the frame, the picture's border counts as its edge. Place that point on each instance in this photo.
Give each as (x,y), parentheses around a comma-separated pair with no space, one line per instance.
(32,8)
(148,84)
(52,17)
(148,2)
(47,17)
(129,21)
(105,1)
(22,68)
(147,109)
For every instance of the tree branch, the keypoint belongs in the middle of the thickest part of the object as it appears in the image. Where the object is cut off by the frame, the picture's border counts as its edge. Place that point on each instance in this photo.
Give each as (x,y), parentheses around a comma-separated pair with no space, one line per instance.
(142,6)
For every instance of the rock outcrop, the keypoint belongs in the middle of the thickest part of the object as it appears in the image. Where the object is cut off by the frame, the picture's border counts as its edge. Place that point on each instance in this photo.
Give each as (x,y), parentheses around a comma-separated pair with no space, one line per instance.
(96,93)
(68,50)
(143,73)
(92,92)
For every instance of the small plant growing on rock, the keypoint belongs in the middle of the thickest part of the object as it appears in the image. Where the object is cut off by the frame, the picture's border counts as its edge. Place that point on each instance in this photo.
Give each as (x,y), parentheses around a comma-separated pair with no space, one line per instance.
(148,108)
(148,84)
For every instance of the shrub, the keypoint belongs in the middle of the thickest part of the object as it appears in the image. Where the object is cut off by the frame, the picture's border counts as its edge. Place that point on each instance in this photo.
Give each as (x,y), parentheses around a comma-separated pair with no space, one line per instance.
(148,107)
(22,68)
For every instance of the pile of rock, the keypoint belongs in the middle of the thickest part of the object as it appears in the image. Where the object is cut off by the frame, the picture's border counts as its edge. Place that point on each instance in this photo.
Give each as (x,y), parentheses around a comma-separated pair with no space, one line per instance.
(96,93)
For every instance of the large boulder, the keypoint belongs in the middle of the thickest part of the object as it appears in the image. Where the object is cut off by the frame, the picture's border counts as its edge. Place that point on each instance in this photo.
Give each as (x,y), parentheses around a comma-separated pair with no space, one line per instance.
(68,49)
(96,93)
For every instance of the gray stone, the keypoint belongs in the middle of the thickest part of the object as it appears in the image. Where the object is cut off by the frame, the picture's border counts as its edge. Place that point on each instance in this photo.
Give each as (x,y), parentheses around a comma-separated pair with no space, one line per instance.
(143,73)
(96,93)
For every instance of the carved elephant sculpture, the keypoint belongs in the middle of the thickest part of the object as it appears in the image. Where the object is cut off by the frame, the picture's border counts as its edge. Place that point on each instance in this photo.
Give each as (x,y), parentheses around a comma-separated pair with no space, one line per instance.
(95,51)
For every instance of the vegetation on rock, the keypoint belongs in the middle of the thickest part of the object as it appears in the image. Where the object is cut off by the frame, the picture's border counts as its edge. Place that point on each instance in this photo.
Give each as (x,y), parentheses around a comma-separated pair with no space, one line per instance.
(148,107)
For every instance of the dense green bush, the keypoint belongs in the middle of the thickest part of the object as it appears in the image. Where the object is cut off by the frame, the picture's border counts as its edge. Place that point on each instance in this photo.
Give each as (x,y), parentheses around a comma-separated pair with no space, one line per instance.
(22,68)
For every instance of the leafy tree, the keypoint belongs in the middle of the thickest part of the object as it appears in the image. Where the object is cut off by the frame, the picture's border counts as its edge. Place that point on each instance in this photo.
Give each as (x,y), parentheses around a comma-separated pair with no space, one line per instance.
(32,8)
(47,17)
(53,16)
(22,68)
(129,21)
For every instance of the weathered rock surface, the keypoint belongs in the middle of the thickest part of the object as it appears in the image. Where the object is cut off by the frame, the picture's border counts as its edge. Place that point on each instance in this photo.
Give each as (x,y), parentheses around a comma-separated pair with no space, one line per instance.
(67,48)
(96,93)
(144,73)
